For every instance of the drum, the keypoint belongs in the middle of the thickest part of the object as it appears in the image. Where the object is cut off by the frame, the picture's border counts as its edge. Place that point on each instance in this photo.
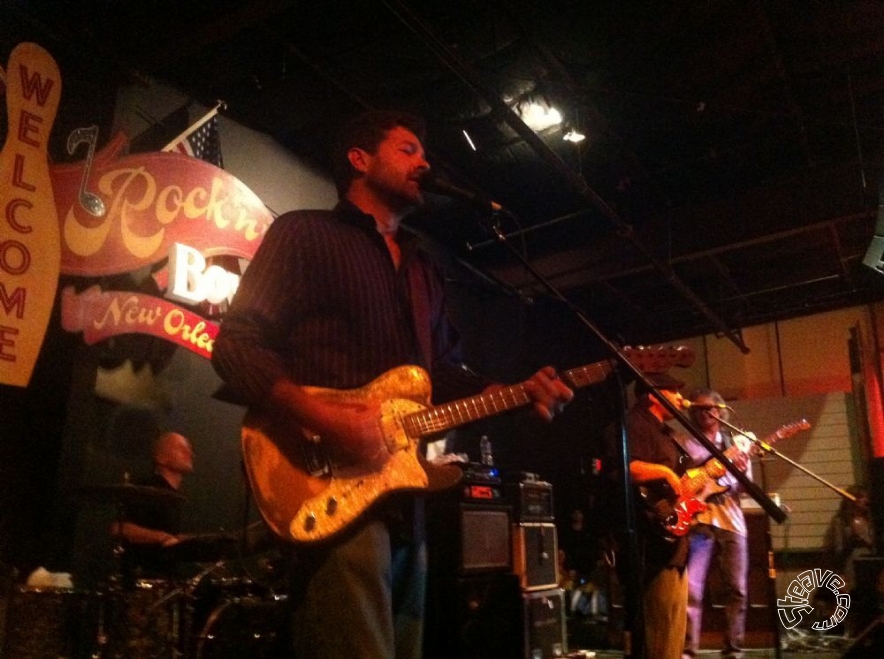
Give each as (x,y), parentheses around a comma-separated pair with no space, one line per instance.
(143,622)
(254,627)
(47,623)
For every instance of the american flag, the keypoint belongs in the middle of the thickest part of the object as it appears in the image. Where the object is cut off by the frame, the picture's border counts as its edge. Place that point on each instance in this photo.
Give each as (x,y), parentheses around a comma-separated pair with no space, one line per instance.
(203,143)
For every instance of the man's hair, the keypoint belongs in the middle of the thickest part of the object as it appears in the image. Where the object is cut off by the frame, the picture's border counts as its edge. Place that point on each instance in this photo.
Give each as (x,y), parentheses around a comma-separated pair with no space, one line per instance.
(366,131)
(716,397)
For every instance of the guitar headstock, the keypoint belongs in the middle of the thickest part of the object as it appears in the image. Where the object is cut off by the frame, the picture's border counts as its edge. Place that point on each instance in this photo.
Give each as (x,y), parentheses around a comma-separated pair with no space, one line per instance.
(656,359)
(791,429)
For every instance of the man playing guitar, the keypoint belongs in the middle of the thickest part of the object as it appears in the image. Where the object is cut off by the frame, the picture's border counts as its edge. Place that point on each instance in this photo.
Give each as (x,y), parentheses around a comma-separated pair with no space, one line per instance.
(656,460)
(333,300)
(720,532)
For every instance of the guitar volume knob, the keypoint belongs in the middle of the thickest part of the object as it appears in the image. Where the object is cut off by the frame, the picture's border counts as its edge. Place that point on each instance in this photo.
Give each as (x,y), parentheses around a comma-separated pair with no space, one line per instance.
(310,522)
(331,506)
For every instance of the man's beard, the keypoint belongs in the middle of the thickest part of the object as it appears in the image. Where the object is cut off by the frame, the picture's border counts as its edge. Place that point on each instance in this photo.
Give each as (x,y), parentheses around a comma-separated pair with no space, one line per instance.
(399,198)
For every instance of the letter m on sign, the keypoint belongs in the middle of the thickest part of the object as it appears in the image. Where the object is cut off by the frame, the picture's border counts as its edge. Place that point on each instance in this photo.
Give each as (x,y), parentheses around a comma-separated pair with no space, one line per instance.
(16,301)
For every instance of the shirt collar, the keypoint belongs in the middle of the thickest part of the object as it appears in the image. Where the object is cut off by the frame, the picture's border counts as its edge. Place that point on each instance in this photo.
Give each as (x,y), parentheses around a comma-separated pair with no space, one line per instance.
(351,214)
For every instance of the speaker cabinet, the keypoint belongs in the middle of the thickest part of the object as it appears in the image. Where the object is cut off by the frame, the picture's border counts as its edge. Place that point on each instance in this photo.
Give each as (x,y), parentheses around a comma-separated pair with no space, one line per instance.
(535,555)
(545,634)
(465,538)
(485,539)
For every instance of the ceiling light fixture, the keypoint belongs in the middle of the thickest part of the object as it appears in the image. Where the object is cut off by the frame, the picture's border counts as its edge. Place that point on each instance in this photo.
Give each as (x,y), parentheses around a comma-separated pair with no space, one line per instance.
(539,117)
(469,139)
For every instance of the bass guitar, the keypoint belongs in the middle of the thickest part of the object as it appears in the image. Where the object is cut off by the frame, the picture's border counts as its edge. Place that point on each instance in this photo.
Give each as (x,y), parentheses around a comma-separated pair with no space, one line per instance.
(699,483)
(304,497)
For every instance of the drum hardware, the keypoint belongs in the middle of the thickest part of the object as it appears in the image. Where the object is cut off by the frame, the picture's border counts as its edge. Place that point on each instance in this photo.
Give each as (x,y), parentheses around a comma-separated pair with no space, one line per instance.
(126,494)
(218,612)
(203,548)
(251,627)
(122,495)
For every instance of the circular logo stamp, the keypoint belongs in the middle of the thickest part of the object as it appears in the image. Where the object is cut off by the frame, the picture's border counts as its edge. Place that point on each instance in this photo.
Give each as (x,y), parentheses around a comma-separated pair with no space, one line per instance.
(793,608)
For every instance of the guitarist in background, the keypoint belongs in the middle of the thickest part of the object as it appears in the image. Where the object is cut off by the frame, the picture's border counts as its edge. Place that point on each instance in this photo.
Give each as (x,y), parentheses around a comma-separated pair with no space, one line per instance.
(720,533)
(656,460)
(334,299)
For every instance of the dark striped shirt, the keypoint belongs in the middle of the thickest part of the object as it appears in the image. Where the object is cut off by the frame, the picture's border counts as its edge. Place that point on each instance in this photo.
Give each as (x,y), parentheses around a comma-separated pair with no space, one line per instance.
(322,304)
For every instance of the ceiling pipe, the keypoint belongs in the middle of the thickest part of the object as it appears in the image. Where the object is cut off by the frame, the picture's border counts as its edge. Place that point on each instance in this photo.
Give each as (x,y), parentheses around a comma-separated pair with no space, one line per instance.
(466,73)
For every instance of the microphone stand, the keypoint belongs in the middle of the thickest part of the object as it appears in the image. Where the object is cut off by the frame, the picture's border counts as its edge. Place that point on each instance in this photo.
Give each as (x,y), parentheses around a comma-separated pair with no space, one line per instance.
(767,448)
(633,590)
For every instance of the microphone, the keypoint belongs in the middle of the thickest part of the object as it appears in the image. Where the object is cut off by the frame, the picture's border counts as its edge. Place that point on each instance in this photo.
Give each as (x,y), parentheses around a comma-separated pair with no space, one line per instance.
(704,406)
(430,183)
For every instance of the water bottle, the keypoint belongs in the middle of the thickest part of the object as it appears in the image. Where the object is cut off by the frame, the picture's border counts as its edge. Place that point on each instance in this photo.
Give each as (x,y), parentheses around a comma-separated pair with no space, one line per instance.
(487,456)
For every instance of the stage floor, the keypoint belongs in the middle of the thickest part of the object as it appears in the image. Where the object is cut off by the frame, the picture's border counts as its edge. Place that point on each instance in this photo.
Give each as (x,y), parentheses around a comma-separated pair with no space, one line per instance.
(755,653)
(592,636)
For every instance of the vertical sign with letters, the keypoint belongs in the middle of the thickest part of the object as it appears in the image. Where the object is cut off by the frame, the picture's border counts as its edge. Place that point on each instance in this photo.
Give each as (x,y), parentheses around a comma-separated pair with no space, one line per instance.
(30,250)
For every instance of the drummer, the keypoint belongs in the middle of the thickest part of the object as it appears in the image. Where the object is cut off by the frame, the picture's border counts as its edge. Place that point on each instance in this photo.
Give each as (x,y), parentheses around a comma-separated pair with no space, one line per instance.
(150,527)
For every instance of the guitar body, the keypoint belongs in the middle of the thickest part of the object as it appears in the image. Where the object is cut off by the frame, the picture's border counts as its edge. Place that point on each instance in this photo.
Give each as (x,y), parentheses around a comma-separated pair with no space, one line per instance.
(304,497)
(709,485)
(670,518)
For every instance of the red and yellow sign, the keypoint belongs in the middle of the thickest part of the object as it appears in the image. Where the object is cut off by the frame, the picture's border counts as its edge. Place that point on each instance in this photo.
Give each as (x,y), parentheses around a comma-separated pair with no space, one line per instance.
(103,314)
(153,200)
(100,217)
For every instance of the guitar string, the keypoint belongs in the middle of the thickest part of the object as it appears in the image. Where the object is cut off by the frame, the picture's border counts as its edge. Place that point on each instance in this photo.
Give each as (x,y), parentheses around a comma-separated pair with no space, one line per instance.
(445,416)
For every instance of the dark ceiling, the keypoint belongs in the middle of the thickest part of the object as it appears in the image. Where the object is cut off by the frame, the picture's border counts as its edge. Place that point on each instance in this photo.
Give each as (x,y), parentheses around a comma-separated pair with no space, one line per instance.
(733,155)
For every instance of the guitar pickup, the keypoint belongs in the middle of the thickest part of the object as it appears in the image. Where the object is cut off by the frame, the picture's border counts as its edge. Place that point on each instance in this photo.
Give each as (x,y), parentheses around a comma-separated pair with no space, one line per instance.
(316,462)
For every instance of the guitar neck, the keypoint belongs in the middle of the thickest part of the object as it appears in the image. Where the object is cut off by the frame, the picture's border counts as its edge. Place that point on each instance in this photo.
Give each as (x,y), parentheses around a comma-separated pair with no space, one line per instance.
(441,418)
(733,449)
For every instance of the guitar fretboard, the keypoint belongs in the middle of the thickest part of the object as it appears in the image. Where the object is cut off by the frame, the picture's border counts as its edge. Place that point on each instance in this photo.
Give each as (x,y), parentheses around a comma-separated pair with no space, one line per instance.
(441,418)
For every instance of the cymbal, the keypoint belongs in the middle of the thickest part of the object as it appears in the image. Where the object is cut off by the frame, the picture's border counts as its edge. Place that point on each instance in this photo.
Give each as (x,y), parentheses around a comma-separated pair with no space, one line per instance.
(127,494)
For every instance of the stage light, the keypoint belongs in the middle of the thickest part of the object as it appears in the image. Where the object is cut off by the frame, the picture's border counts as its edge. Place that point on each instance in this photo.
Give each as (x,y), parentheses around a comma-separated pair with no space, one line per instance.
(573,136)
(539,117)
(469,140)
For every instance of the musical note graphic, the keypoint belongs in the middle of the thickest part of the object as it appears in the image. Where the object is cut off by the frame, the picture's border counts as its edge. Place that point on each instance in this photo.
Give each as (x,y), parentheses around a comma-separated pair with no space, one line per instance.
(90,202)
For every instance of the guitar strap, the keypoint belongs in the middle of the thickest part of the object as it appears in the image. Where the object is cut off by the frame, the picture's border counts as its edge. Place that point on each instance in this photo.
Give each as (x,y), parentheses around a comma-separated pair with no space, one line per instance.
(684,458)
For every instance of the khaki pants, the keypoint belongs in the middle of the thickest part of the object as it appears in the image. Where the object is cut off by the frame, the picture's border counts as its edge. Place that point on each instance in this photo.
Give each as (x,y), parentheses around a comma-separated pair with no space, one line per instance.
(664,615)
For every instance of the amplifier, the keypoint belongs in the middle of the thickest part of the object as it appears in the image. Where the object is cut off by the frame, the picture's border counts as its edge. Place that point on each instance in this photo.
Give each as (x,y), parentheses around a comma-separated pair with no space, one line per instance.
(468,529)
(535,555)
(484,539)
(532,501)
(545,634)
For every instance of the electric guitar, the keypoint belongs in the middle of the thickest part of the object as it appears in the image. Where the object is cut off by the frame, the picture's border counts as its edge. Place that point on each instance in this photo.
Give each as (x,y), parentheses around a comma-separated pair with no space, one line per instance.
(699,483)
(304,497)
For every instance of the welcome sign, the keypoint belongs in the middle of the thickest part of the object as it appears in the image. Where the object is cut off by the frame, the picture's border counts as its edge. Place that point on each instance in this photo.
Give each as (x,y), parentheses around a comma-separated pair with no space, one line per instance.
(29,232)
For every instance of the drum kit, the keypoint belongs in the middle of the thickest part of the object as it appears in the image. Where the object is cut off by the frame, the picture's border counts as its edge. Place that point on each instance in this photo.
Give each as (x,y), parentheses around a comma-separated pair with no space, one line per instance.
(221,611)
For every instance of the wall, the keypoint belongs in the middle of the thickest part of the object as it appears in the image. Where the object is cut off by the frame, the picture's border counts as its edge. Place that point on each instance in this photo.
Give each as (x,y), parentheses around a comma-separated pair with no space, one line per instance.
(113,412)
